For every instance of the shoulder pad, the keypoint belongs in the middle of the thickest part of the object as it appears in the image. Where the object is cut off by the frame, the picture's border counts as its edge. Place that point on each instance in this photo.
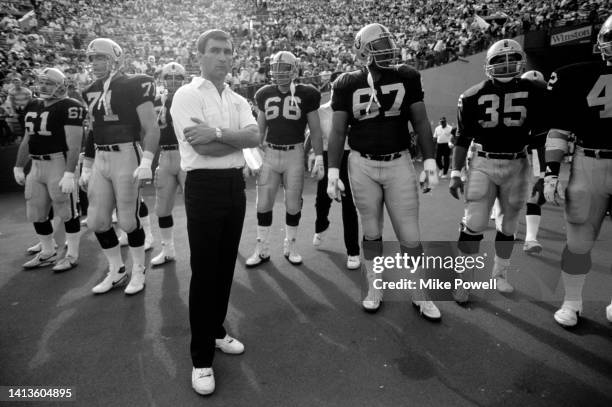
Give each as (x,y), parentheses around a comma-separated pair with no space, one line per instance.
(473,90)
(345,80)
(407,72)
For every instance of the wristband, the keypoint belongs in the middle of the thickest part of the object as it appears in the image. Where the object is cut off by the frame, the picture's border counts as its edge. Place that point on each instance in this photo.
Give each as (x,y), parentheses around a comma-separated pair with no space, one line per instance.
(68,174)
(333,173)
(147,159)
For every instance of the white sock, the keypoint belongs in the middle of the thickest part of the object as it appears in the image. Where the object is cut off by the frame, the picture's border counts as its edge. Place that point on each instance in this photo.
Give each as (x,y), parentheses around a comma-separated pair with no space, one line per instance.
(499,262)
(167,236)
(59,231)
(73,240)
(46,242)
(290,232)
(138,256)
(113,255)
(532,223)
(146,225)
(573,284)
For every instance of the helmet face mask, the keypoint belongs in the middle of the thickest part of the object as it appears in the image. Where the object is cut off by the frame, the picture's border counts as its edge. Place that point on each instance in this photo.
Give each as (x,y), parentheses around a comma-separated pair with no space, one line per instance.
(283,68)
(375,46)
(51,84)
(173,76)
(604,40)
(105,57)
(505,61)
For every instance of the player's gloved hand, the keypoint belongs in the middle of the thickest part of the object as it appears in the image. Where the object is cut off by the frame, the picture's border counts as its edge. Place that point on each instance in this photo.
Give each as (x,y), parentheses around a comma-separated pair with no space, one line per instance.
(84,178)
(431,175)
(554,191)
(456,184)
(67,183)
(19,175)
(317,170)
(335,187)
(144,173)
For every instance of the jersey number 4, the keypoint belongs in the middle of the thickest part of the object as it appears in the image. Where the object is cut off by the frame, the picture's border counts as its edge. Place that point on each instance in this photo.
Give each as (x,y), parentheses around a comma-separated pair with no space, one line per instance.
(493,110)
(601,95)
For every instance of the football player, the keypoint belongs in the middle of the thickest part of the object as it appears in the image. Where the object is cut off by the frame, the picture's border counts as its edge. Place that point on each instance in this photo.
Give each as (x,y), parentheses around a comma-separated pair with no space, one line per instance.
(285,108)
(52,139)
(536,200)
(501,115)
(168,175)
(377,102)
(120,108)
(582,104)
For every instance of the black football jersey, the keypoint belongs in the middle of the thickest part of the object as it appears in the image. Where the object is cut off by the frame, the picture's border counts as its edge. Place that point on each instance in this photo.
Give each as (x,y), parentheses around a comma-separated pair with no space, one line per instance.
(118,122)
(164,120)
(45,124)
(286,121)
(581,102)
(502,117)
(384,129)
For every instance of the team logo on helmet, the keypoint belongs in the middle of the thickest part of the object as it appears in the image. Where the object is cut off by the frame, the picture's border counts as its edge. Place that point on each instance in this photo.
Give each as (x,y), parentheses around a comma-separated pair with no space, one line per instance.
(374,44)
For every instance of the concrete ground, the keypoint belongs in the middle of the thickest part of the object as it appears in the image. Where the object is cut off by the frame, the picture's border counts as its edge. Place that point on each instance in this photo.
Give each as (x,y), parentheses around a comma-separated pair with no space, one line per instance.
(308,343)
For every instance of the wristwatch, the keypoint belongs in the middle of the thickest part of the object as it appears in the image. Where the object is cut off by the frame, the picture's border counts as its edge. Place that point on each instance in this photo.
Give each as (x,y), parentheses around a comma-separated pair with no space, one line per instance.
(218,133)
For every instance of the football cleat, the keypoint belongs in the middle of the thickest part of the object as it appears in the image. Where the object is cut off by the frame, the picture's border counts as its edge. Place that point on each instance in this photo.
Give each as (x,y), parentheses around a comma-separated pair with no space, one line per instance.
(65,264)
(567,316)
(137,282)
(290,253)
(166,255)
(112,280)
(532,247)
(41,260)
(372,301)
(259,256)
(428,310)
(38,247)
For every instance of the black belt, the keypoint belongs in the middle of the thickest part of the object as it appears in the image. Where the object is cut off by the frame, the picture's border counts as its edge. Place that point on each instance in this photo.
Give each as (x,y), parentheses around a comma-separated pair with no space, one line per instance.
(596,153)
(281,147)
(108,147)
(41,157)
(502,156)
(169,147)
(381,157)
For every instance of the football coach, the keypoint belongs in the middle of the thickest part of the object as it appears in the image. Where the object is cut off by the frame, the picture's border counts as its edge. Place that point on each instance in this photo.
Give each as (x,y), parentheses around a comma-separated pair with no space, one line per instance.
(212,124)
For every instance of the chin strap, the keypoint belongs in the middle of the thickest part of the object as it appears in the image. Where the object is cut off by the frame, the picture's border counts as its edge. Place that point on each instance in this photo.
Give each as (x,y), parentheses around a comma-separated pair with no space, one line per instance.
(162,111)
(292,90)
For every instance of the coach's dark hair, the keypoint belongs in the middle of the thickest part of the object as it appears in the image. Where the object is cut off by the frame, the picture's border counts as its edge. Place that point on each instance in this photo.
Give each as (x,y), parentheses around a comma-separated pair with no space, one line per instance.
(214,35)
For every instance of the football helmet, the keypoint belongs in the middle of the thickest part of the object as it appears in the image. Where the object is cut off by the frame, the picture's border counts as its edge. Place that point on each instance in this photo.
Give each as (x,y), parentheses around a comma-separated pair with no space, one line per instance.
(535,76)
(173,76)
(374,44)
(505,60)
(51,84)
(604,40)
(111,50)
(283,68)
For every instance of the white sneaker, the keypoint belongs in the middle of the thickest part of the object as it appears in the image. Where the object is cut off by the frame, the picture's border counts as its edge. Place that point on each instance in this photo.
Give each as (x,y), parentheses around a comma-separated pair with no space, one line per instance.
(318,238)
(38,247)
(500,274)
(372,301)
(609,313)
(137,282)
(203,380)
(41,260)
(532,247)
(112,280)
(290,253)
(84,223)
(65,264)
(567,316)
(123,239)
(259,256)
(428,310)
(166,255)
(229,345)
(353,262)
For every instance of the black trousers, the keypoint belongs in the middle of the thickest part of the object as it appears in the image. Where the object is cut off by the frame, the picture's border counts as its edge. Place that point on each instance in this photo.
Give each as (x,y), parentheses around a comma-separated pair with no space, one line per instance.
(350,221)
(215,204)
(443,157)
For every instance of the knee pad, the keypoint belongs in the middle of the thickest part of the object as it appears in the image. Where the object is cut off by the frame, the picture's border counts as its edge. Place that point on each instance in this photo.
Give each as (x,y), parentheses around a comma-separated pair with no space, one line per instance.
(165,222)
(107,239)
(43,228)
(293,220)
(143,209)
(533,209)
(136,238)
(576,264)
(264,218)
(73,225)
(469,243)
(504,245)
(372,248)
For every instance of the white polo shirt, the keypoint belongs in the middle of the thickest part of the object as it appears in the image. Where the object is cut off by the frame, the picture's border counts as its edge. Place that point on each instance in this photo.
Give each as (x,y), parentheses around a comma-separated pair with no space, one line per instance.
(443,134)
(200,99)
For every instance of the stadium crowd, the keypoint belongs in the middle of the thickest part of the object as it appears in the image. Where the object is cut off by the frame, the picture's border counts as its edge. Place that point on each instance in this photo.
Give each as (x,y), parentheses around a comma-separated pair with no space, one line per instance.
(319,32)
